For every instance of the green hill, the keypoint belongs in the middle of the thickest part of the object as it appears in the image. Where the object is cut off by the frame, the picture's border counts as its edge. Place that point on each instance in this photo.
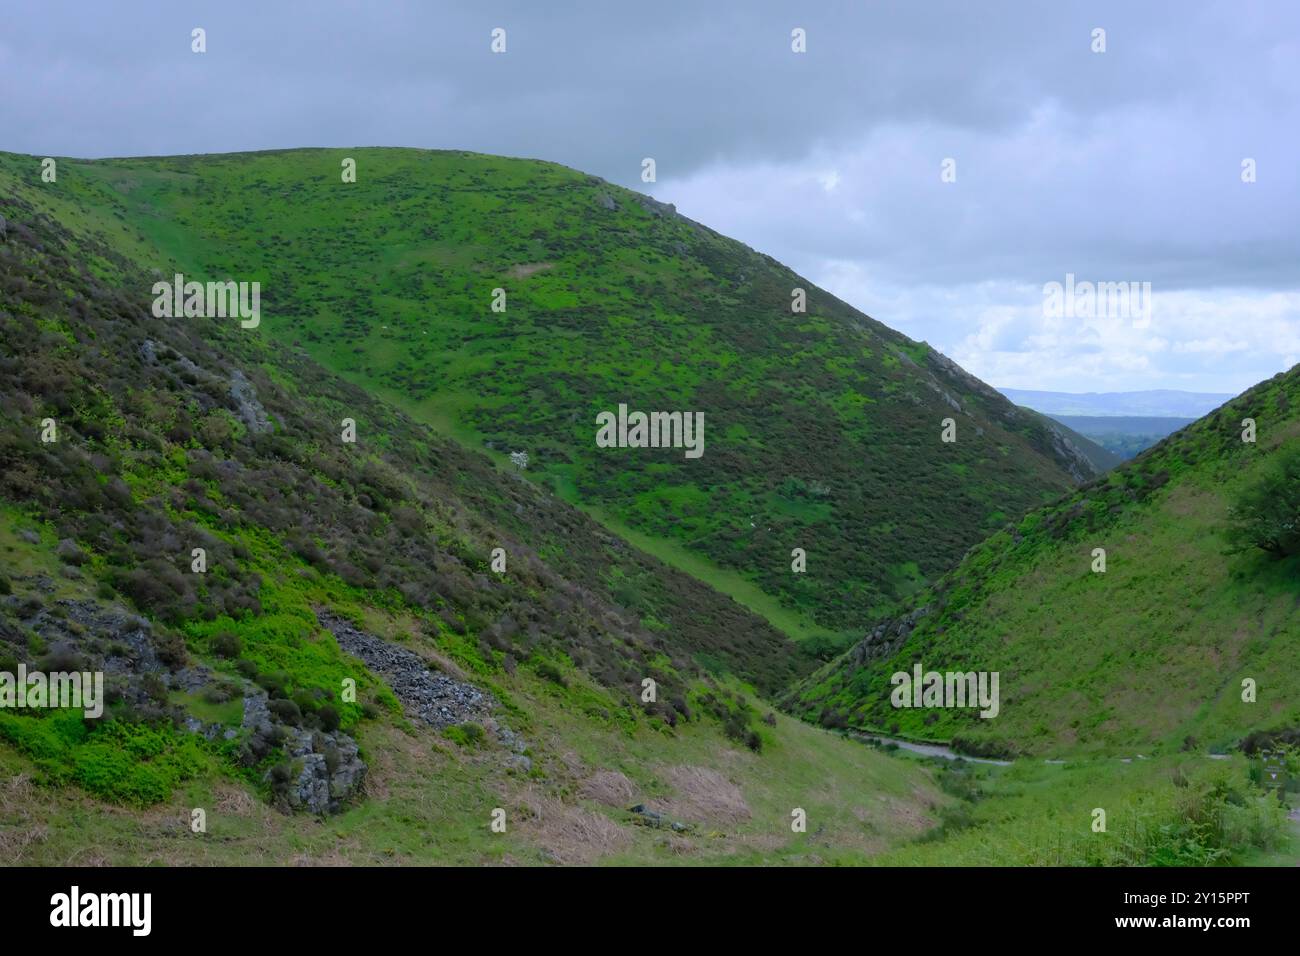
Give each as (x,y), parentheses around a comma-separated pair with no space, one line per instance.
(813,420)
(127,442)
(1149,655)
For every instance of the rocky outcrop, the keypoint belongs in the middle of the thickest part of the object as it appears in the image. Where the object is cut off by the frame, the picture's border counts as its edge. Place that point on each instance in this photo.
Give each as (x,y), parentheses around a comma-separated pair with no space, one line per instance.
(1075,461)
(101,637)
(434,698)
(656,208)
(322,770)
(886,637)
(250,410)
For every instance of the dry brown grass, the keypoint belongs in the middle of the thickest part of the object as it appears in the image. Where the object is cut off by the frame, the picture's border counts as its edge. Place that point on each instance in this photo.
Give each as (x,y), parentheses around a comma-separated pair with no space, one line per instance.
(609,787)
(17,830)
(569,834)
(234,801)
(703,795)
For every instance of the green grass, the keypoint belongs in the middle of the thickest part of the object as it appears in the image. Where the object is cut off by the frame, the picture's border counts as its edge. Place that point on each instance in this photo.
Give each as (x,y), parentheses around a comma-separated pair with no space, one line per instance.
(1172,811)
(1153,652)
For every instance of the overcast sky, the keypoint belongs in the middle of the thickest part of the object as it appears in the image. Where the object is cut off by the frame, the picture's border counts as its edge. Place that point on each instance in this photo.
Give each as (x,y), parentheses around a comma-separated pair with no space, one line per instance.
(1122,166)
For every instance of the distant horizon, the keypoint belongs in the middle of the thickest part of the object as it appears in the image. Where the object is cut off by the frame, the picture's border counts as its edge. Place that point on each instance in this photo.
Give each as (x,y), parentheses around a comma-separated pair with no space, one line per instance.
(1137,391)
(1168,403)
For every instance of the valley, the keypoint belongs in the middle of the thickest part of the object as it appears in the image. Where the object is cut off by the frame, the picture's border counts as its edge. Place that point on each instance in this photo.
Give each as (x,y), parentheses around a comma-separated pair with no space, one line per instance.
(431,601)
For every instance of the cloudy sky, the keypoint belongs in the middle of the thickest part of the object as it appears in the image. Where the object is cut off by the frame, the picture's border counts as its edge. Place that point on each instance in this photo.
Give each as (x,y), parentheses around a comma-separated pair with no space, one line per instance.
(1115,166)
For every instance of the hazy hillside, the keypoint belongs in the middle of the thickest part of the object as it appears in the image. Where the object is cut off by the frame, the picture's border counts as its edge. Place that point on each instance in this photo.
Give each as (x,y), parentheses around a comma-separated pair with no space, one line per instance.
(1102,457)
(813,421)
(1149,655)
(1123,436)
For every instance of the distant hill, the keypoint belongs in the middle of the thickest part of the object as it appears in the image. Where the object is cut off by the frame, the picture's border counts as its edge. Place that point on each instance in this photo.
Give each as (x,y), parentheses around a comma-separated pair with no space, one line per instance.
(1164,403)
(1123,436)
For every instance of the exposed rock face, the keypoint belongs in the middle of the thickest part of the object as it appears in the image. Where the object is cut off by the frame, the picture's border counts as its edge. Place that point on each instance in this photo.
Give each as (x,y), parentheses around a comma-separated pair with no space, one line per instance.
(1075,461)
(324,769)
(250,409)
(885,638)
(243,394)
(329,771)
(434,698)
(657,208)
(104,638)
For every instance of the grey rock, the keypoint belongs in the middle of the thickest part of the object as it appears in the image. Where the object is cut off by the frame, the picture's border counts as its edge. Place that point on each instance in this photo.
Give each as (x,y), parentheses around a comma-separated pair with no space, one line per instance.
(434,698)
(653,818)
(657,208)
(250,409)
(326,771)
(190,679)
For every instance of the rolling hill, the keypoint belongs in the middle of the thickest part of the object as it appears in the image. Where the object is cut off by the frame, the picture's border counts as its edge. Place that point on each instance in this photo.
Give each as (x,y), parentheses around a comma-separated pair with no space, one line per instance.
(1157,403)
(1123,436)
(813,419)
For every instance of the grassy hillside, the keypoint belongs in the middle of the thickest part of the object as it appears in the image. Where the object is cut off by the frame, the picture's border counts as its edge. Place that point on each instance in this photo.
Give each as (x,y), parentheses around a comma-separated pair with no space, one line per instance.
(1149,655)
(226,693)
(813,421)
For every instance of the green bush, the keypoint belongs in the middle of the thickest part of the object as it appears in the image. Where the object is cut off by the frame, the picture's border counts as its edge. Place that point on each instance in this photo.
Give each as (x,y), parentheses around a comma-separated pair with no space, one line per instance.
(467,735)
(226,644)
(1266,513)
(551,673)
(286,711)
(130,763)
(329,718)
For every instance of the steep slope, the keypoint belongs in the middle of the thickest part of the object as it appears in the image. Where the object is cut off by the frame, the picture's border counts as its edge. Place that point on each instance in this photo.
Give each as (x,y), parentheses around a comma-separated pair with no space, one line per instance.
(813,420)
(127,442)
(1102,458)
(1153,652)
